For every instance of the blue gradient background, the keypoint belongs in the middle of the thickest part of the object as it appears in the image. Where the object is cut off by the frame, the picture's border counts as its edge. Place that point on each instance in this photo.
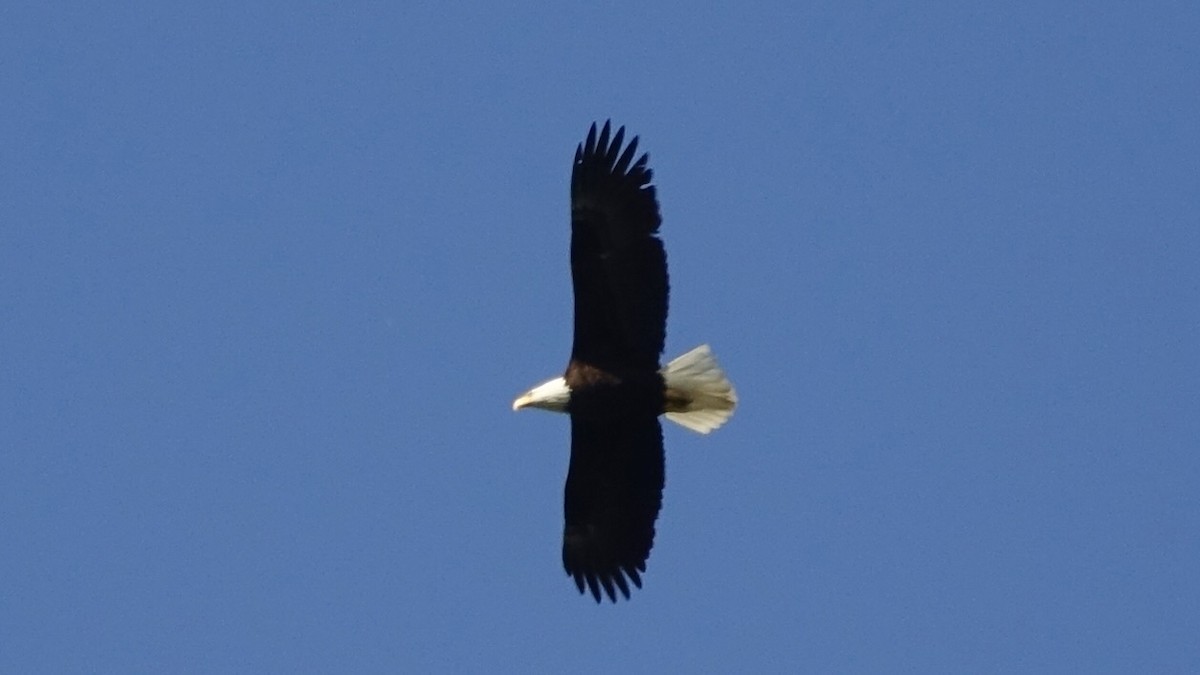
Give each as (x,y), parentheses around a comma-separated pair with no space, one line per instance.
(271,274)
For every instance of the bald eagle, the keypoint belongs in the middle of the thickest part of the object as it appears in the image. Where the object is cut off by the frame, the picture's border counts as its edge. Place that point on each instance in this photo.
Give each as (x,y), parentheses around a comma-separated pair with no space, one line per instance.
(614,388)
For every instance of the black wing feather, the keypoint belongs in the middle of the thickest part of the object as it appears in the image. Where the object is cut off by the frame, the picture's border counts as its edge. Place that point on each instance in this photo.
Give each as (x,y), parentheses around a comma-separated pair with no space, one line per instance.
(623,164)
(618,265)
(613,496)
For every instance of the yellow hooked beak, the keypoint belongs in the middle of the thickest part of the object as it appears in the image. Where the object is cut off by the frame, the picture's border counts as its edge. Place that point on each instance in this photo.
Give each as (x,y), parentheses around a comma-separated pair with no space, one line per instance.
(522,401)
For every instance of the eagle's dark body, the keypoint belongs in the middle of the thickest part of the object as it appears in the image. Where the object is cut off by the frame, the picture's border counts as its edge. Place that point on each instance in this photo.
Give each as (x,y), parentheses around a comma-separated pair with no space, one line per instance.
(614,388)
(619,269)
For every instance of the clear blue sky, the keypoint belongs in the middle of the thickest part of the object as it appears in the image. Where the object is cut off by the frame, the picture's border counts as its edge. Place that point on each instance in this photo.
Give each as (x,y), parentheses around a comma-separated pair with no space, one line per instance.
(272,273)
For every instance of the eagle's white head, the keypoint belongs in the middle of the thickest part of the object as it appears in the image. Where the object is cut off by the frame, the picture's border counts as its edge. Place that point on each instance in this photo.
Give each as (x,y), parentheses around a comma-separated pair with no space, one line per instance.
(552,395)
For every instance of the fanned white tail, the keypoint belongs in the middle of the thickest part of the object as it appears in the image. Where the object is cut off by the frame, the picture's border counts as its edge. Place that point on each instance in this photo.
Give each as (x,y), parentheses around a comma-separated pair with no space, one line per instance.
(699,396)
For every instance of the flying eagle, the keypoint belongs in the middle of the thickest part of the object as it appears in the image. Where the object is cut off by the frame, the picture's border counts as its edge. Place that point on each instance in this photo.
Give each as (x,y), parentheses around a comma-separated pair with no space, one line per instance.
(614,388)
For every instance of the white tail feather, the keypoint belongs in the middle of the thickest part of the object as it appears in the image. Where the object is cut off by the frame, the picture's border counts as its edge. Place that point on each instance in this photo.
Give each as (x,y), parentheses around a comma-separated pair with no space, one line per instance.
(699,396)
